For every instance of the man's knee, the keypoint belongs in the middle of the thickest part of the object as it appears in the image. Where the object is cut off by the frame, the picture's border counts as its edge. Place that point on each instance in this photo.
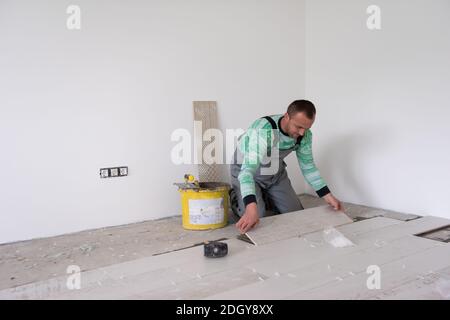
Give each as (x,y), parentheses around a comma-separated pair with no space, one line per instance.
(238,206)
(289,205)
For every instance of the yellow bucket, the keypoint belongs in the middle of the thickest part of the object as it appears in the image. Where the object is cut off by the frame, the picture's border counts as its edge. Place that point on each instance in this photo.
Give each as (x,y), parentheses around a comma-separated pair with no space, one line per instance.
(206,208)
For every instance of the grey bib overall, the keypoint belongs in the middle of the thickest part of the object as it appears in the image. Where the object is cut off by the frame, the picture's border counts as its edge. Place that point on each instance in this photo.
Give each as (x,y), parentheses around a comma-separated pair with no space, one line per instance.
(273,191)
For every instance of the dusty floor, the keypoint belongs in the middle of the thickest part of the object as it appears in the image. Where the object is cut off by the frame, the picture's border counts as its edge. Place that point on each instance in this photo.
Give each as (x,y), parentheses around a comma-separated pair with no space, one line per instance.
(30,261)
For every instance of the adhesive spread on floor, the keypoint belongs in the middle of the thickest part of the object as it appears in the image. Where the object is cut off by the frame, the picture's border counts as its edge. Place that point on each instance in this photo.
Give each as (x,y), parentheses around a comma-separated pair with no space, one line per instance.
(336,239)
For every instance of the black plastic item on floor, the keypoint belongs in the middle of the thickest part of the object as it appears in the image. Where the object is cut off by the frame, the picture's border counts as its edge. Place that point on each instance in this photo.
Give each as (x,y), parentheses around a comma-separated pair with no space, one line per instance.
(215,249)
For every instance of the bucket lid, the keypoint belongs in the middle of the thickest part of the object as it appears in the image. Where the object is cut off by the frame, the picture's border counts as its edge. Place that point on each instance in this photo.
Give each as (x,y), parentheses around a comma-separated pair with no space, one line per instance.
(213,185)
(202,186)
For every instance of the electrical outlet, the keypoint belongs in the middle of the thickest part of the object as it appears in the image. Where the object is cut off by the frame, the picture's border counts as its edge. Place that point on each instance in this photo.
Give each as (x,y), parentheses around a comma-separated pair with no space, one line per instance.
(114,172)
(104,173)
(123,171)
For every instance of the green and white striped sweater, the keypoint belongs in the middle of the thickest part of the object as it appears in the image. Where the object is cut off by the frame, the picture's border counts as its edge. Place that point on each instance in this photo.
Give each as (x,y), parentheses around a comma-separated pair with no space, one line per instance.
(255,146)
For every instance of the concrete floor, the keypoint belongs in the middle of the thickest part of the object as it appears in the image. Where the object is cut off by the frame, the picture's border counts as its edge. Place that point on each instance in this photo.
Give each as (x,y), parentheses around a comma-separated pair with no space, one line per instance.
(42,259)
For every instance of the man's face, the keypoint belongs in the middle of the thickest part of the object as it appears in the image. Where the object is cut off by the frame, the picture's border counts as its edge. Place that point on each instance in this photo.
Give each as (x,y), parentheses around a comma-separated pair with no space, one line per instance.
(298,124)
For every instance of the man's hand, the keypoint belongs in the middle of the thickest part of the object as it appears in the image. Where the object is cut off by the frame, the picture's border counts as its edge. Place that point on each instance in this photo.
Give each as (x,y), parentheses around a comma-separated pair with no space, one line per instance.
(332,201)
(249,219)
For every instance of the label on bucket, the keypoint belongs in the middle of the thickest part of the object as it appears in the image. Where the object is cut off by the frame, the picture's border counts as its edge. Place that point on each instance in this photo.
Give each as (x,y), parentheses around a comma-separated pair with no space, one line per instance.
(206,211)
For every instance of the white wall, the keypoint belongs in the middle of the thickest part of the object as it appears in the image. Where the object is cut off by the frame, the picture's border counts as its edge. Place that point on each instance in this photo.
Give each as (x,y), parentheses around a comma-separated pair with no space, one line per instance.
(384,101)
(111,94)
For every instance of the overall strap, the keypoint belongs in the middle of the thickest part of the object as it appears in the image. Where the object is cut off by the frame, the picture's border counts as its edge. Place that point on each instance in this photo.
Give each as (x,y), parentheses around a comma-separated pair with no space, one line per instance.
(272,122)
(274,127)
(299,139)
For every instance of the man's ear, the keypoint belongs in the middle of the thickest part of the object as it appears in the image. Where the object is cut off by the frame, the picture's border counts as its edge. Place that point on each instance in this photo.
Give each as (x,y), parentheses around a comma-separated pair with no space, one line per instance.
(286,115)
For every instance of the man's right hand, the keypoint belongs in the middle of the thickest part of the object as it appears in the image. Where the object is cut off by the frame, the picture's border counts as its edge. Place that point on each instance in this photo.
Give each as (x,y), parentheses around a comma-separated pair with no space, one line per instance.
(249,219)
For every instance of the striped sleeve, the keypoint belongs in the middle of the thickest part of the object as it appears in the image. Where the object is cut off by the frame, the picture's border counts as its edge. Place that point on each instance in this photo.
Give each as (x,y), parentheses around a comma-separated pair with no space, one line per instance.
(308,167)
(254,145)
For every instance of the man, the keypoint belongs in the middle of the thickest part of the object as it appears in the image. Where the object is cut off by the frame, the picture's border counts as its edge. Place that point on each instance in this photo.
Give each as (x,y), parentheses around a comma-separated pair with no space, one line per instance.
(258,173)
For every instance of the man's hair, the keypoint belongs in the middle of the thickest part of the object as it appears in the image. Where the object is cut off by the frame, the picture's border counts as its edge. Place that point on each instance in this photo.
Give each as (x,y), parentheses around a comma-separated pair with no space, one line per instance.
(305,106)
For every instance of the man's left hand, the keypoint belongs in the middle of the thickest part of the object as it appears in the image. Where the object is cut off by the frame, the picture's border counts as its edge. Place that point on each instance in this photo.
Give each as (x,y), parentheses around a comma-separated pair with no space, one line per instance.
(332,201)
